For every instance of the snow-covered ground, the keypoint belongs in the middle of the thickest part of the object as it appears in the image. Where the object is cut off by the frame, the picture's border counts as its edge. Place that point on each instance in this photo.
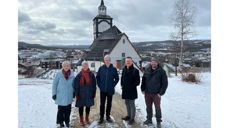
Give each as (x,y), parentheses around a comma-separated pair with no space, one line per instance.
(36,107)
(184,105)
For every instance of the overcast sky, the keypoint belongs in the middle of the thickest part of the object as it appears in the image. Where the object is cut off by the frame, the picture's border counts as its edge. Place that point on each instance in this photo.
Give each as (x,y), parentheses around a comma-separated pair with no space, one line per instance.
(65,22)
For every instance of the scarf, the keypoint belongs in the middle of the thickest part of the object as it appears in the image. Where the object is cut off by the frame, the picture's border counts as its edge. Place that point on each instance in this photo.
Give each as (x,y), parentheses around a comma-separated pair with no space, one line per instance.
(85,77)
(66,74)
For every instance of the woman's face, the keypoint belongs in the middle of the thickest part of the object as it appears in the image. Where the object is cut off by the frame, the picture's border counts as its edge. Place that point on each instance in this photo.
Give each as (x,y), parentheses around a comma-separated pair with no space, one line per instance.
(66,67)
(85,67)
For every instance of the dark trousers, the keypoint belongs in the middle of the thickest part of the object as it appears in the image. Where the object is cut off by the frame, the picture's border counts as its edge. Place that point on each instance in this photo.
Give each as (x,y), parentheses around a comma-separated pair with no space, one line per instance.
(63,114)
(103,97)
(149,100)
(81,110)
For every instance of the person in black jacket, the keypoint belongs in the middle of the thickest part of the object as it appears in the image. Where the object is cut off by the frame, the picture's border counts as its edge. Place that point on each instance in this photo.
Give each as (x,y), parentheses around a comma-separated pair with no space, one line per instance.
(154,85)
(107,78)
(129,81)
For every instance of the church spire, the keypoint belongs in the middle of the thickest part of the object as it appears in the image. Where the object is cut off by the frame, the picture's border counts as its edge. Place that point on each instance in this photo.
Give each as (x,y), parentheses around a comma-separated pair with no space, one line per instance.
(102,8)
(102,3)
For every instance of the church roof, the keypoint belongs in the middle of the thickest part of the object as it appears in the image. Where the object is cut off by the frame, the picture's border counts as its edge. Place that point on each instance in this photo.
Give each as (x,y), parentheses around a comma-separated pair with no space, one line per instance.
(102,16)
(106,41)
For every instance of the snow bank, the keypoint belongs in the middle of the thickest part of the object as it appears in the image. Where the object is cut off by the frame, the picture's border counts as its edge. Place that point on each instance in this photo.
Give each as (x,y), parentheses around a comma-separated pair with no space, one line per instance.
(36,107)
(184,105)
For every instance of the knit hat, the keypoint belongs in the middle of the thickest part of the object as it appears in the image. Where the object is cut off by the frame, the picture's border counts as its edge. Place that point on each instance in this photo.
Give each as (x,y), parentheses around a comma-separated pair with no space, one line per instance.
(154,59)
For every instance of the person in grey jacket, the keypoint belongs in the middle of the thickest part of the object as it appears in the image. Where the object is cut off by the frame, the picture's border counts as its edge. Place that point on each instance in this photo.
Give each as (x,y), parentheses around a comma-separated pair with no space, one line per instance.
(62,93)
(154,85)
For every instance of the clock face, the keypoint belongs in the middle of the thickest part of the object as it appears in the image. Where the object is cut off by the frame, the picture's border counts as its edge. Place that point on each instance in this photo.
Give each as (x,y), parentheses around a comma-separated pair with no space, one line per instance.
(103,26)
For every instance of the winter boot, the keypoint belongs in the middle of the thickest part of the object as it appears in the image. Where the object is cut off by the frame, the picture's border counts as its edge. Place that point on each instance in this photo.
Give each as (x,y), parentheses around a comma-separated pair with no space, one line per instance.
(67,125)
(158,117)
(109,119)
(148,121)
(126,118)
(131,121)
(87,119)
(100,121)
(81,121)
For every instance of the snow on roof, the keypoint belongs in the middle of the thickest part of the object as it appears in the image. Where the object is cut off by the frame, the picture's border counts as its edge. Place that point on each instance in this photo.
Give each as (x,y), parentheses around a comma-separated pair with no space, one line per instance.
(186,65)
(75,61)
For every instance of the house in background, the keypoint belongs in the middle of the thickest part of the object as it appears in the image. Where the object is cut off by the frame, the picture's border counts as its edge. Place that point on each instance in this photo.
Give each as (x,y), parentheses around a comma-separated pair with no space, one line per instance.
(109,40)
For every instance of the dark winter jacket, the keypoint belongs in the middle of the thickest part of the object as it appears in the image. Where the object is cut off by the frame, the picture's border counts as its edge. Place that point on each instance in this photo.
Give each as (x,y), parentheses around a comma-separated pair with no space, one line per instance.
(129,81)
(154,81)
(107,78)
(86,92)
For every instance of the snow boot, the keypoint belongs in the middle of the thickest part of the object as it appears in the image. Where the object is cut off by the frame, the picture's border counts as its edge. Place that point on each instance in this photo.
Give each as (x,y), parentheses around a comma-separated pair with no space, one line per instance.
(87,119)
(81,121)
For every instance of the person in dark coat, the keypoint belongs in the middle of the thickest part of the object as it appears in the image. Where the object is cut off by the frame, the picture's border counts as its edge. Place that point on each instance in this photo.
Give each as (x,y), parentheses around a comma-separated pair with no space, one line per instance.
(129,81)
(85,91)
(107,78)
(154,85)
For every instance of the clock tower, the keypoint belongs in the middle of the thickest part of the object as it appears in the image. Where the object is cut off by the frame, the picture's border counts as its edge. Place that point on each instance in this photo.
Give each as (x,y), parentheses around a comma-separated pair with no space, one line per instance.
(102,21)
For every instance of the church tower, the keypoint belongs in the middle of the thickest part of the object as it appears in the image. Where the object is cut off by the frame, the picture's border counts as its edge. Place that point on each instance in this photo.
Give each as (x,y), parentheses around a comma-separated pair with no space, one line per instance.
(102,21)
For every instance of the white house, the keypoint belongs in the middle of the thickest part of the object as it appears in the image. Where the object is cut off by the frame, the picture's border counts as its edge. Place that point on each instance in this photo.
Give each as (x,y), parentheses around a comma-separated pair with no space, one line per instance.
(109,40)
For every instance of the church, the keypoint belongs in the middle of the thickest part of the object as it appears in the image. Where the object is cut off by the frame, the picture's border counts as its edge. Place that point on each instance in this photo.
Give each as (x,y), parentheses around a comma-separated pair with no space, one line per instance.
(108,39)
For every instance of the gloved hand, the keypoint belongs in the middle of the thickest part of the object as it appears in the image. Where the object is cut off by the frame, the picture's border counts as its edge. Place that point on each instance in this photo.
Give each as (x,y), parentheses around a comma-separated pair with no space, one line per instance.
(78,98)
(54,97)
(73,94)
(94,95)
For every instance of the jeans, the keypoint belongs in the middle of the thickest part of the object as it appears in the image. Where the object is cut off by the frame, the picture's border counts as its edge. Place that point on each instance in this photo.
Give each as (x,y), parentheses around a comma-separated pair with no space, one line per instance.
(130,107)
(103,97)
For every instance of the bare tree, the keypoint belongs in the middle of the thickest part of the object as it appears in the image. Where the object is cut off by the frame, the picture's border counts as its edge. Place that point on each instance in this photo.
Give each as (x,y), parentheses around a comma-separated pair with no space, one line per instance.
(182,19)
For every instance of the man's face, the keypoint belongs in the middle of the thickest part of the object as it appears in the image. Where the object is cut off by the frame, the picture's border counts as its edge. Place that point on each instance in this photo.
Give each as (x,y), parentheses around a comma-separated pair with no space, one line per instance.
(107,61)
(66,67)
(128,62)
(154,64)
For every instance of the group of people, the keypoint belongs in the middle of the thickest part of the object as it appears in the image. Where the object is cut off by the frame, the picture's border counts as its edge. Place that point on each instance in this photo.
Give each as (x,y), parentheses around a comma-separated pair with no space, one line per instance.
(83,88)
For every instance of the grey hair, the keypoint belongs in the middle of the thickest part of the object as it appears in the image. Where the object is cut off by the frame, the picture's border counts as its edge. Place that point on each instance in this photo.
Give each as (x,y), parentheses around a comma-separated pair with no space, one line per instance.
(85,63)
(65,63)
(107,57)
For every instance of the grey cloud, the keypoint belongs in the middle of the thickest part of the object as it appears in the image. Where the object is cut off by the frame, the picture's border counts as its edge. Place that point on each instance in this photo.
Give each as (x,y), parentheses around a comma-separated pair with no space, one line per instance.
(68,21)
(23,17)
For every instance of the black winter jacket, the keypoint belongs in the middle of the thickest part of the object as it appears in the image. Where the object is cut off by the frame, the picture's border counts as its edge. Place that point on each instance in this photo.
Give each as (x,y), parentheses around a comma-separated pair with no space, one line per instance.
(154,81)
(129,81)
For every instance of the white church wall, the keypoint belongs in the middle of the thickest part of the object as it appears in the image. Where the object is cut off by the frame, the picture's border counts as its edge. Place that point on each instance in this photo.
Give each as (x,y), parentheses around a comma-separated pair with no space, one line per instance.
(96,64)
(116,53)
